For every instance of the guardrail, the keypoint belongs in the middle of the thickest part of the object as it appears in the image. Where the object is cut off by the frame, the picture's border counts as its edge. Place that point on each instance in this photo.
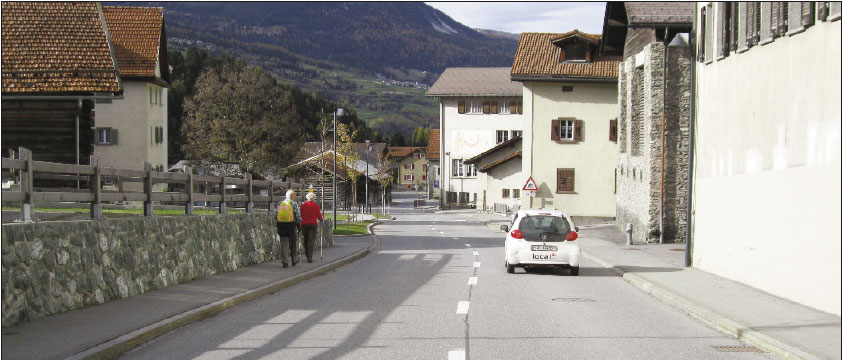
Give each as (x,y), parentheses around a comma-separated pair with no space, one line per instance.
(23,171)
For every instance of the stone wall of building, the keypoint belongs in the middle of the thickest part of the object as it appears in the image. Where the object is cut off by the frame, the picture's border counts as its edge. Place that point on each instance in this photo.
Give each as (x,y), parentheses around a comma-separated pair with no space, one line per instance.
(53,267)
(641,97)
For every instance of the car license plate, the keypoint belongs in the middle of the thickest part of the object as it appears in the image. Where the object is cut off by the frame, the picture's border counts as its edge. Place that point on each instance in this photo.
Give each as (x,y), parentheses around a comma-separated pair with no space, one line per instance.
(543,248)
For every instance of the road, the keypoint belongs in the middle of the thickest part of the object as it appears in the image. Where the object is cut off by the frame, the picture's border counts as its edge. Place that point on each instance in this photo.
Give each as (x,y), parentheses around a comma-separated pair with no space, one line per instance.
(436,288)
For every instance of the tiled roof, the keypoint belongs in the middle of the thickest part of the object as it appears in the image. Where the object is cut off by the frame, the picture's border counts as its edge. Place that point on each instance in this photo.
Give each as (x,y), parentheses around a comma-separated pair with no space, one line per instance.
(538,57)
(433,145)
(55,47)
(402,151)
(516,141)
(475,82)
(312,148)
(659,12)
(136,35)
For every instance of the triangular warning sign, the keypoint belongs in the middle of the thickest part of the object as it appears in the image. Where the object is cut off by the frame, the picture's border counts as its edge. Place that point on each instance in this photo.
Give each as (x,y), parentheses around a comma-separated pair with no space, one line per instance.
(530,185)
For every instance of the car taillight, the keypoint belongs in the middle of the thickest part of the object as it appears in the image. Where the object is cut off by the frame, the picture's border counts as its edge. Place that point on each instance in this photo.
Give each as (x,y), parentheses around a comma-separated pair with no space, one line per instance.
(517,234)
(571,236)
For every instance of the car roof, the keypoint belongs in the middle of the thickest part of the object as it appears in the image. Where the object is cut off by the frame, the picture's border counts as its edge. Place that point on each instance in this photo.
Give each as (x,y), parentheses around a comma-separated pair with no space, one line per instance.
(551,212)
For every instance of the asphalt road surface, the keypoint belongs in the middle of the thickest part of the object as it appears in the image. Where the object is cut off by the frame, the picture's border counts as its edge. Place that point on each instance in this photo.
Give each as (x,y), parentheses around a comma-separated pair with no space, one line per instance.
(436,288)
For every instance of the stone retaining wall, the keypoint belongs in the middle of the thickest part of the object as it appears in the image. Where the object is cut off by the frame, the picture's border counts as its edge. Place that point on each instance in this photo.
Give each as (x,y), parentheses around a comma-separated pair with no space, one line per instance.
(50,268)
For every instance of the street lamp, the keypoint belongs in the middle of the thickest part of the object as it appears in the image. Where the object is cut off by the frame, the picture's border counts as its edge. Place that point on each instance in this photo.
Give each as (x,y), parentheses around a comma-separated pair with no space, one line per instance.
(339,112)
(368,148)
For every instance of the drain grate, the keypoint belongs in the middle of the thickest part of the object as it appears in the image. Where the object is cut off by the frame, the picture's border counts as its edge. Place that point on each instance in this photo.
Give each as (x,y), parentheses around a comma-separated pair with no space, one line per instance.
(738,349)
(572,300)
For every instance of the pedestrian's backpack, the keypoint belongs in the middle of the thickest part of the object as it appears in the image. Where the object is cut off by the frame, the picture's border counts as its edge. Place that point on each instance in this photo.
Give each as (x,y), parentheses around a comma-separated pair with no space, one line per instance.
(284,212)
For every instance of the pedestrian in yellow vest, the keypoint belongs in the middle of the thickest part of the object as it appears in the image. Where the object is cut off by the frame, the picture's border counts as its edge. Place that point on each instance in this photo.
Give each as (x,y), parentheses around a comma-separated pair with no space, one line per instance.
(288,220)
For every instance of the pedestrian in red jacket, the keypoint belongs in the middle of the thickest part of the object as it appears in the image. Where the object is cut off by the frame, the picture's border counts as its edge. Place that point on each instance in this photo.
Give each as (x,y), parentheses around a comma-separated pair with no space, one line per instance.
(311,214)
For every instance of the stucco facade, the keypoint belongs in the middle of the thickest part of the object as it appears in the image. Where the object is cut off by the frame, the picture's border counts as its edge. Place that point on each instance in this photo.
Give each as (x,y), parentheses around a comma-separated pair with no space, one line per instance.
(136,117)
(767,163)
(593,159)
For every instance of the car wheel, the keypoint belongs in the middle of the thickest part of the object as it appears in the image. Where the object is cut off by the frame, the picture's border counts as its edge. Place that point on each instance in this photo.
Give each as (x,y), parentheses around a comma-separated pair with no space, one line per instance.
(510,268)
(575,271)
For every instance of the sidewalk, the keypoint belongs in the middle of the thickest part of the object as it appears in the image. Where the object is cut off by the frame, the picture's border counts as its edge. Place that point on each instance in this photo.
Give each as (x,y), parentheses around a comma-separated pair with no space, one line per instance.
(770,323)
(107,330)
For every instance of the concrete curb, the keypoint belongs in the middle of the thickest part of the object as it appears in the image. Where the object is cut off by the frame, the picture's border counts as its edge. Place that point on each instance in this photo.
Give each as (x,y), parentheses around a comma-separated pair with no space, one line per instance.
(706,316)
(119,345)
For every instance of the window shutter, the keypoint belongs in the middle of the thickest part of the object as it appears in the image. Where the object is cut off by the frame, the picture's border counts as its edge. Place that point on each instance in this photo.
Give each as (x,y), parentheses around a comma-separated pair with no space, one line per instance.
(520,108)
(710,31)
(513,107)
(794,17)
(775,9)
(569,177)
(784,11)
(807,13)
(766,31)
(486,106)
(613,130)
(564,180)
(702,35)
(461,107)
(722,29)
(560,180)
(113,136)
(733,26)
(822,10)
(579,131)
(834,10)
(494,107)
(554,129)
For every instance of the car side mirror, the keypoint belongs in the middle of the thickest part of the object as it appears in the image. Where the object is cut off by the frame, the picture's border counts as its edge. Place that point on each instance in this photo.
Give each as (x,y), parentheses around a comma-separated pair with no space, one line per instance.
(505,228)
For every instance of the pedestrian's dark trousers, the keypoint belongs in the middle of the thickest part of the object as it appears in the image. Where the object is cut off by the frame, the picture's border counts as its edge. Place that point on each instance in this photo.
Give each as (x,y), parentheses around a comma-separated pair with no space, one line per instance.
(289,235)
(310,231)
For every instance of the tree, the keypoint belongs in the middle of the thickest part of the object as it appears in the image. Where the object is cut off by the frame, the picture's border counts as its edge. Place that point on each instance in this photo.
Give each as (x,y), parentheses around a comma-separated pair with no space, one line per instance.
(420,136)
(348,157)
(397,140)
(385,177)
(240,115)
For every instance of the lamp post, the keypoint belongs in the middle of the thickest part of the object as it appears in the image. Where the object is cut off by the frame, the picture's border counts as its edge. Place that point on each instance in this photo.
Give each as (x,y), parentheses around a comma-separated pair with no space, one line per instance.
(339,112)
(368,148)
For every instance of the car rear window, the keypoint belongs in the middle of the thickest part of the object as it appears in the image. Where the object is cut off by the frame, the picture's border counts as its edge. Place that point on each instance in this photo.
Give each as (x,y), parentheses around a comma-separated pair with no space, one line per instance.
(544,228)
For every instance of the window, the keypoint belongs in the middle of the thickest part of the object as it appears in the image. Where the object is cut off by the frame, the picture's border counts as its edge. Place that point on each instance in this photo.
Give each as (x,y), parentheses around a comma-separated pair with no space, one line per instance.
(159,134)
(504,108)
(576,52)
(456,167)
(564,181)
(505,193)
(424,177)
(567,88)
(516,193)
(517,133)
(613,130)
(502,136)
(475,107)
(566,130)
(150,96)
(516,107)
(408,177)
(470,170)
(106,136)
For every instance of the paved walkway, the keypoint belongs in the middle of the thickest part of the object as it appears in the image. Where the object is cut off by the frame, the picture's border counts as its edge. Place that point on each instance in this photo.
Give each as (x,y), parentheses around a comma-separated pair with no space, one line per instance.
(771,323)
(106,330)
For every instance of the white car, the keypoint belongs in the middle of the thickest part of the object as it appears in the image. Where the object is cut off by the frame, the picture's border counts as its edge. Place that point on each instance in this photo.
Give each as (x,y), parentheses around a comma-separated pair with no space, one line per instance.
(541,238)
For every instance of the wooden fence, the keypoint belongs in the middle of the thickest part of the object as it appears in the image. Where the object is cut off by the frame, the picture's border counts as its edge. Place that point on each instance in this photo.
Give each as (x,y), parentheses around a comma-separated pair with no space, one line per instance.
(23,171)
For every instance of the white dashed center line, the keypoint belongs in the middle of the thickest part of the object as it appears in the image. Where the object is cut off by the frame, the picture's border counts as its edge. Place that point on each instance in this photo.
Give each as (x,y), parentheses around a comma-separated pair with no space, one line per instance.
(476,253)
(462,307)
(476,264)
(472,280)
(467,245)
(456,355)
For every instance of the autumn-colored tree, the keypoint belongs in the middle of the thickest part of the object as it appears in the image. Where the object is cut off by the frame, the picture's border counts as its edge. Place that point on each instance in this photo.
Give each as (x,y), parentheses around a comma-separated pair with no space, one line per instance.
(348,157)
(240,115)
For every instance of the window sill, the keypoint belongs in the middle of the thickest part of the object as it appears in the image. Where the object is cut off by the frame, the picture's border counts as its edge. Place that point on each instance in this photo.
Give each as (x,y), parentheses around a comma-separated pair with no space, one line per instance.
(566,141)
(765,41)
(567,192)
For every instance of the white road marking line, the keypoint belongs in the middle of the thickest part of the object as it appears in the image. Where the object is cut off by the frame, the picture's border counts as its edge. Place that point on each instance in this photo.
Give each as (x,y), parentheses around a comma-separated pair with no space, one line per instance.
(462,307)
(467,245)
(442,233)
(476,253)
(476,264)
(472,280)
(456,355)
(456,238)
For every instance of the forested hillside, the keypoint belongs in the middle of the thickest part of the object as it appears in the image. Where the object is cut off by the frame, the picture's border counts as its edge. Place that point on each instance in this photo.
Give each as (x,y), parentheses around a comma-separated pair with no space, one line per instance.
(375,57)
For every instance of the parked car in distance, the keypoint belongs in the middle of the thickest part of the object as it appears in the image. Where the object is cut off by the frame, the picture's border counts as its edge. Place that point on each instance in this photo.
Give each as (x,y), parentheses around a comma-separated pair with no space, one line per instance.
(541,238)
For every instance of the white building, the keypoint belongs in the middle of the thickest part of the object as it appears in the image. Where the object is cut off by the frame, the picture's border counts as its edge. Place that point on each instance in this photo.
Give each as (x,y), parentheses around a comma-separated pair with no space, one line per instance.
(766,155)
(570,106)
(479,108)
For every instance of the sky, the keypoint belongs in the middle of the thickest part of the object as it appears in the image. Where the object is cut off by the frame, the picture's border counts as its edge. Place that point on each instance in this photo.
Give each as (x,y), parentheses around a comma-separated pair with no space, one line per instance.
(518,17)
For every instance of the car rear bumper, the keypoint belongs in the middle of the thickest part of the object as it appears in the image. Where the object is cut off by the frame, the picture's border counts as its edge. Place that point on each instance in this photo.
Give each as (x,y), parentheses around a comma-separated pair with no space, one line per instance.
(566,256)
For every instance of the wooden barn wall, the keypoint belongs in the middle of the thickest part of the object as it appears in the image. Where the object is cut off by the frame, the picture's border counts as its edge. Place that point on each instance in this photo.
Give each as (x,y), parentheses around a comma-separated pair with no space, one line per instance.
(48,128)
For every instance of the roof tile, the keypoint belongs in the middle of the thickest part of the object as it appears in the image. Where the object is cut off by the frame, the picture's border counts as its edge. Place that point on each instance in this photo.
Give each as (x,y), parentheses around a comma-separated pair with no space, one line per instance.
(475,82)
(136,35)
(55,47)
(433,145)
(538,56)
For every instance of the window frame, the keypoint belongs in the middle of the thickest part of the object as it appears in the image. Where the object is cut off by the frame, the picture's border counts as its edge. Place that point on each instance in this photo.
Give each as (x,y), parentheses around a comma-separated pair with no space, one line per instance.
(505,193)
(109,134)
(501,134)
(474,107)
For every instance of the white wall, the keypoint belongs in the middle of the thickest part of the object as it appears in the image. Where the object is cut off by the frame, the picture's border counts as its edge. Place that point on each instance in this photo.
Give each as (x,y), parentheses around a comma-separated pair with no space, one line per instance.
(593,159)
(505,176)
(465,136)
(767,167)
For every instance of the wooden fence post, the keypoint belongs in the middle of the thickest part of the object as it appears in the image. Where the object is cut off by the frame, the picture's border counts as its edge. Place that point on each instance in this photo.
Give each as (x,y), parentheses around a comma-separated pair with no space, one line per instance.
(222,195)
(250,207)
(96,205)
(271,204)
(147,188)
(188,208)
(26,177)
